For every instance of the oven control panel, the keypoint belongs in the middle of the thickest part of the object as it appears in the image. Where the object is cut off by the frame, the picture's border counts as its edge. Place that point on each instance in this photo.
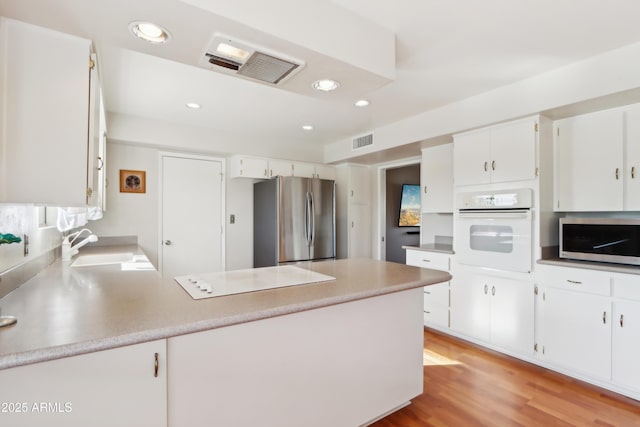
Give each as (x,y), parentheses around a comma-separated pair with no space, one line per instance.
(505,199)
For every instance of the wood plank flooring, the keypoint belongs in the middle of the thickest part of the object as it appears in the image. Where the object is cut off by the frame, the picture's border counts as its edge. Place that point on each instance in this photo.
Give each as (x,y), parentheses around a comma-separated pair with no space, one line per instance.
(467,385)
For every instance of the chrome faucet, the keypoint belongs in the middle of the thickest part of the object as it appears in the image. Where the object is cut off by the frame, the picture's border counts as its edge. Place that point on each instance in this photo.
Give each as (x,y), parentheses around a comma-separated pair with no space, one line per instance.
(68,251)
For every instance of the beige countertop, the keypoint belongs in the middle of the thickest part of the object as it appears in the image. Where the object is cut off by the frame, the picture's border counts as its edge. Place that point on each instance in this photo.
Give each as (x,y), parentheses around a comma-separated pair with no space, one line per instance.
(66,311)
(432,247)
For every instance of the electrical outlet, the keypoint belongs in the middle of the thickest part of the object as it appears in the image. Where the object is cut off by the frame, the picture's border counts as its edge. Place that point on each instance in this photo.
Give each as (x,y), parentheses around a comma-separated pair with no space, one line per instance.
(232,219)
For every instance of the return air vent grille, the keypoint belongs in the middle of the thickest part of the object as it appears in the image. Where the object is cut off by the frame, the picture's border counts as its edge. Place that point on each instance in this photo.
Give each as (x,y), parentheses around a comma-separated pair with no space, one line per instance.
(266,68)
(362,141)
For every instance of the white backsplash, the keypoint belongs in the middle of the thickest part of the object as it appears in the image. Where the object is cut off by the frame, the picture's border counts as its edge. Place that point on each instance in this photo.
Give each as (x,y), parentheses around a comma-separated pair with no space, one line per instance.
(22,220)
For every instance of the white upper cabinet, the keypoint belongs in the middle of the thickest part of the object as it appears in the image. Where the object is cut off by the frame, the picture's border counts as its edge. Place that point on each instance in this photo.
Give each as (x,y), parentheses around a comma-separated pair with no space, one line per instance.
(632,158)
(44,110)
(241,166)
(589,153)
(96,166)
(248,167)
(436,179)
(502,153)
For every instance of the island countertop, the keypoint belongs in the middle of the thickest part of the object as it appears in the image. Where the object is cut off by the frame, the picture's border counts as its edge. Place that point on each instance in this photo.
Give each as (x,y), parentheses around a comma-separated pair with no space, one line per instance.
(65,311)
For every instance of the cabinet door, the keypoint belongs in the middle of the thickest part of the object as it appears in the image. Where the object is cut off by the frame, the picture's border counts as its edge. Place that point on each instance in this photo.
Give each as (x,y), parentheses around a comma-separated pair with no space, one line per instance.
(280,168)
(576,331)
(44,123)
(326,172)
(359,184)
(588,168)
(626,344)
(436,178)
(470,305)
(97,142)
(512,317)
(471,158)
(359,230)
(105,388)
(304,170)
(249,167)
(632,159)
(513,151)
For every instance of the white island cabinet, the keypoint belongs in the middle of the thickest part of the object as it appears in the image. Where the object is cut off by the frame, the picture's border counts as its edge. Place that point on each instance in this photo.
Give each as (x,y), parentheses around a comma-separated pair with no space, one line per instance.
(334,366)
(125,386)
(44,116)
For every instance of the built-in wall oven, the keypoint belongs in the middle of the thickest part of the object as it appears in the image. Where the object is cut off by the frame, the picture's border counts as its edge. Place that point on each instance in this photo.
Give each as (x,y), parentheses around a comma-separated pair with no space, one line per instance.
(494,229)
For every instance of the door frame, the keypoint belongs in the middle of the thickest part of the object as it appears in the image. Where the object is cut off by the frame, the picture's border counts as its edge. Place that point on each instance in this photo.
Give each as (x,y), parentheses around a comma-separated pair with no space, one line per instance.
(381,192)
(223,233)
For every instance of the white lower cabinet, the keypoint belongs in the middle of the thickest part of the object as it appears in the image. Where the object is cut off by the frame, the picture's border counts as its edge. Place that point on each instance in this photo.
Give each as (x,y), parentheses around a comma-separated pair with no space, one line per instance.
(626,344)
(436,297)
(497,310)
(107,388)
(588,323)
(575,331)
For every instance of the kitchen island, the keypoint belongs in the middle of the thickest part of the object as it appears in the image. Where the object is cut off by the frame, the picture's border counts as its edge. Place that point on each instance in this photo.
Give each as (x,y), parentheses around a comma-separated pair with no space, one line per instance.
(101,346)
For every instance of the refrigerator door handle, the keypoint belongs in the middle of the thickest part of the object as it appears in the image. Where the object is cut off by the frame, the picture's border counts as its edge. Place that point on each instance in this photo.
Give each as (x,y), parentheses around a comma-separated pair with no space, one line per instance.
(312,226)
(307,218)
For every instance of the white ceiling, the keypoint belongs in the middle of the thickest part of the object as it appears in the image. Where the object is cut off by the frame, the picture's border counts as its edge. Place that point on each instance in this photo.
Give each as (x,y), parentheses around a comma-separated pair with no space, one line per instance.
(445,51)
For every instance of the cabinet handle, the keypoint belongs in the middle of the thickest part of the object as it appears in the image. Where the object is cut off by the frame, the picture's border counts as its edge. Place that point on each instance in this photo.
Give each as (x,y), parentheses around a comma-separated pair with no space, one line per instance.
(156,365)
(351,193)
(167,242)
(352,224)
(493,165)
(574,282)
(426,260)
(633,172)
(425,189)
(486,289)
(101,164)
(604,317)
(265,172)
(622,320)
(493,290)
(427,292)
(486,166)
(617,173)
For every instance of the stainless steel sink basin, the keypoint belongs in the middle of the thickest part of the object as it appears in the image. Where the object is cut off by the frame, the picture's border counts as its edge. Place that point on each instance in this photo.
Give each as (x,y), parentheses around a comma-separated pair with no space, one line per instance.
(102,259)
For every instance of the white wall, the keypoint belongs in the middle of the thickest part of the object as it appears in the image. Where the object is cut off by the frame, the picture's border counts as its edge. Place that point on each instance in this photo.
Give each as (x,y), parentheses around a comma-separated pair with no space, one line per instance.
(20,220)
(599,78)
(130,214)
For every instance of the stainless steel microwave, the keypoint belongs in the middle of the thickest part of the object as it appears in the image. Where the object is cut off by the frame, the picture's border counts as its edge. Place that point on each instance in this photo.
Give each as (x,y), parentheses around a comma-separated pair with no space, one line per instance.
(615,240)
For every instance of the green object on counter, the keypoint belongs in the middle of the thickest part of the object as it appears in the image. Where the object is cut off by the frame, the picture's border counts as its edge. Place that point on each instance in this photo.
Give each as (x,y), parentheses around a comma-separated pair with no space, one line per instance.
(9,238)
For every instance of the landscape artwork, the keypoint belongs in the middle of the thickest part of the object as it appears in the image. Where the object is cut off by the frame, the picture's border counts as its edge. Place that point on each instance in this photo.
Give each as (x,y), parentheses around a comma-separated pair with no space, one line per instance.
(410,206)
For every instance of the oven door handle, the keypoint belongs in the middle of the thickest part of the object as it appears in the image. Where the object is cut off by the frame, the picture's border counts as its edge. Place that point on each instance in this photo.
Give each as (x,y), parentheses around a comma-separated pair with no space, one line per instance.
(520,213)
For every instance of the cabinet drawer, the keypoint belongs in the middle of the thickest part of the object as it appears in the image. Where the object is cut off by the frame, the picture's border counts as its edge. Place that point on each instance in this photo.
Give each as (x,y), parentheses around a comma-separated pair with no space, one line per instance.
(438,316)
(424,259)
(626,286)
(577,279)
(436,295)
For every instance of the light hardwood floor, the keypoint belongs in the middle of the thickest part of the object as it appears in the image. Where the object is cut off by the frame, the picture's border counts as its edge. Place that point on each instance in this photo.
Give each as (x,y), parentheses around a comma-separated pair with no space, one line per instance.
(467,385)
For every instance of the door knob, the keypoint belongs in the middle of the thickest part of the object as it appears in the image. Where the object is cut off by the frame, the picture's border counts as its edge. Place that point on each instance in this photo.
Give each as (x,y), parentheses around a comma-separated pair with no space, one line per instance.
(167,242)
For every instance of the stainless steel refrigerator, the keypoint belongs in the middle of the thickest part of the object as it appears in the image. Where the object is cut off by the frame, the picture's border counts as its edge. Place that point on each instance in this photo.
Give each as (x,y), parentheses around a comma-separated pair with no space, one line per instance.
(294,219)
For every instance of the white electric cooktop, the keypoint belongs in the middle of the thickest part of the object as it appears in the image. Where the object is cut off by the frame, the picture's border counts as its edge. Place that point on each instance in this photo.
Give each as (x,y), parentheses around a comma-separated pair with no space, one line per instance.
(210,285)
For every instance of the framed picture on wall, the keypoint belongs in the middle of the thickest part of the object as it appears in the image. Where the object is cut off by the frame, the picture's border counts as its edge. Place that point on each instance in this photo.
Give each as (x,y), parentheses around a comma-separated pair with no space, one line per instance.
(133,181)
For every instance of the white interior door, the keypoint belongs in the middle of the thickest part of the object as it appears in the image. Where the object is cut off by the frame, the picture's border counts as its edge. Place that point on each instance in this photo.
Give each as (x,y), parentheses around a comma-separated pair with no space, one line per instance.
(192,216)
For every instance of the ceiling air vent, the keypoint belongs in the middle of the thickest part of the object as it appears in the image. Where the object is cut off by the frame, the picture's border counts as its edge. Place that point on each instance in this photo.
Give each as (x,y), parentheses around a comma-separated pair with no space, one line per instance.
(233,57)
(362,141)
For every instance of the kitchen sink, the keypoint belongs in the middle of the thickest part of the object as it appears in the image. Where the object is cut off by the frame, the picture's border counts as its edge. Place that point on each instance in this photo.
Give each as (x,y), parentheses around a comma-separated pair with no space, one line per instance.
(102,259)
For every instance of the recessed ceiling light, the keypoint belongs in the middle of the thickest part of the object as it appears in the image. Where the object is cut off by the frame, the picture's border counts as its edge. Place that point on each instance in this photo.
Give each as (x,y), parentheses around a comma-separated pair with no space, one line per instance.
(307,127)
(362,103)
(149,32)
(326,85)
(193,105)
